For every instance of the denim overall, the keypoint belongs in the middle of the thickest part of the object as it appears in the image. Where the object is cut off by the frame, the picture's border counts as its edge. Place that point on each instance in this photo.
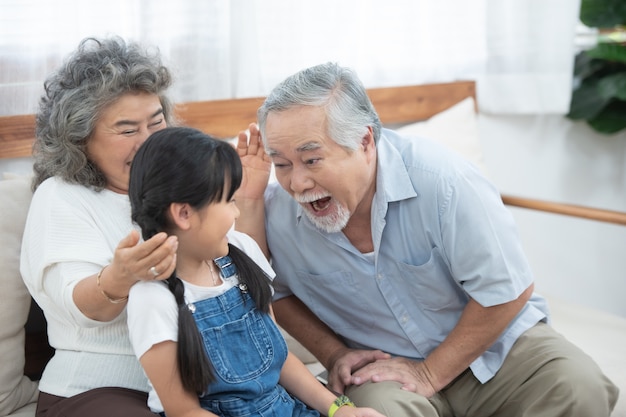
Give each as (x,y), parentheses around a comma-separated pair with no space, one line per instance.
(247,352)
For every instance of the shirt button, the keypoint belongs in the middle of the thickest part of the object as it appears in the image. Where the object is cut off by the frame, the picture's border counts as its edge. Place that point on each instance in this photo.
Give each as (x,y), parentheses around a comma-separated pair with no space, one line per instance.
(404,319)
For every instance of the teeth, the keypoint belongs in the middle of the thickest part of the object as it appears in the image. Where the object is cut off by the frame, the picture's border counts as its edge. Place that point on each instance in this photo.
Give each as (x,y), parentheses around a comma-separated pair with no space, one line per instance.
(320,204)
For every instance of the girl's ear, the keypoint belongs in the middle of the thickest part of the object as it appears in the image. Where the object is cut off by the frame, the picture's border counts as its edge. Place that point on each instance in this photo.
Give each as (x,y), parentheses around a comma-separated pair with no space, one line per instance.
(181,215)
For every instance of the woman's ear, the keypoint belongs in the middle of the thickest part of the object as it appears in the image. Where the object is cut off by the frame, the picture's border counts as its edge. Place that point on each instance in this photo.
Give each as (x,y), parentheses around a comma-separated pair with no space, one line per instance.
(180,214)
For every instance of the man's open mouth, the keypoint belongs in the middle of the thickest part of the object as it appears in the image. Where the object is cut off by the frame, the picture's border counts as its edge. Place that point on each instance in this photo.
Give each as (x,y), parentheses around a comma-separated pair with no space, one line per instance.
(321,204)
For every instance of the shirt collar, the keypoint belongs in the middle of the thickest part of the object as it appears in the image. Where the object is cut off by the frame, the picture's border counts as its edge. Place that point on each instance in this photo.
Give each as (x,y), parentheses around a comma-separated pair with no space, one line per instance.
(392,179)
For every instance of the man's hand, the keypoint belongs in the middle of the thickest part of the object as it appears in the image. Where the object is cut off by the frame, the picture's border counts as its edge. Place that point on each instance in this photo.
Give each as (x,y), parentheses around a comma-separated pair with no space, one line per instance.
(255,162)
(346,361)
(413,375)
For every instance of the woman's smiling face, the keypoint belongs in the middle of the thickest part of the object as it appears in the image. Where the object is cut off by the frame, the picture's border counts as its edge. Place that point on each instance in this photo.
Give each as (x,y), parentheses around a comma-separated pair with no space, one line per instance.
(121,128)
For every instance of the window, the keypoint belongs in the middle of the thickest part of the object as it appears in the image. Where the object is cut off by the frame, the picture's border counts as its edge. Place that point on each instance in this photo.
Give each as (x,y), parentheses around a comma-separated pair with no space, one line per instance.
(242,48)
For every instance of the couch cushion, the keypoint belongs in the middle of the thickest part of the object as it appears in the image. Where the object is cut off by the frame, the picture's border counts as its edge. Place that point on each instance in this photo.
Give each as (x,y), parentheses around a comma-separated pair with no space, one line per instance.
(456,128)
(16,390)
(28,410)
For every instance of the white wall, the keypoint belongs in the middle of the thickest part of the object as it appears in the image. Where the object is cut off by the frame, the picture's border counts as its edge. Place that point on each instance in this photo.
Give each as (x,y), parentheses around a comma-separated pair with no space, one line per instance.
(551,157)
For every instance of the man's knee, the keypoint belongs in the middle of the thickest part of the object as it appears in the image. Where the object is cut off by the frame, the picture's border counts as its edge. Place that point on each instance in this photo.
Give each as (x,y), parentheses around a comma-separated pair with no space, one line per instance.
(388,398)
(584,384)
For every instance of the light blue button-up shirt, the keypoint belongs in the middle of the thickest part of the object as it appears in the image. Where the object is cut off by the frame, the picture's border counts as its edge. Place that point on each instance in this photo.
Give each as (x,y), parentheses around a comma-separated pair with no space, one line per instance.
(441,235)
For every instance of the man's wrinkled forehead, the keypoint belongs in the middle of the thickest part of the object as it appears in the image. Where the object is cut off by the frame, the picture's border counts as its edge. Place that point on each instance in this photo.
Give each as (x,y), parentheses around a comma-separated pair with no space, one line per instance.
(305,147)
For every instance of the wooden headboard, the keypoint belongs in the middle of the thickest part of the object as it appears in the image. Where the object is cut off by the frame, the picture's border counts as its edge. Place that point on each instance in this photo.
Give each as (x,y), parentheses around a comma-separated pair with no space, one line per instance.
(395,105)
(225,118)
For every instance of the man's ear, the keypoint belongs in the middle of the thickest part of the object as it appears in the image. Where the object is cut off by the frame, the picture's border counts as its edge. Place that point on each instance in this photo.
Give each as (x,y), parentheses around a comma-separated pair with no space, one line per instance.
(180,213)
(367,142)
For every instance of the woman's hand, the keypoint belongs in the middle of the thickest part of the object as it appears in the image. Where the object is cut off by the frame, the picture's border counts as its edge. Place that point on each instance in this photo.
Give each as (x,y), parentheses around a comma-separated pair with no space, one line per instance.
(102,296)
(145,261)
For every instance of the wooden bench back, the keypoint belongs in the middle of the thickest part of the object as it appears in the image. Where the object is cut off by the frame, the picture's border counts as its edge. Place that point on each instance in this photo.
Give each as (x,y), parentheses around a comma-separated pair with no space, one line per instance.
(225,118)
(395,105)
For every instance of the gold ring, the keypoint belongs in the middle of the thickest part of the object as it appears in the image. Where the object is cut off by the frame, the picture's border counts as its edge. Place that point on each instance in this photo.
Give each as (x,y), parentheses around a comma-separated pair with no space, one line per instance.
(154,272)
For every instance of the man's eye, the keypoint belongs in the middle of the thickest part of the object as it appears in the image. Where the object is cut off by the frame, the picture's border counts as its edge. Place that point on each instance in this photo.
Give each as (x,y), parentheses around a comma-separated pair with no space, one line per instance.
(312,161)
(280,163)
(156,123)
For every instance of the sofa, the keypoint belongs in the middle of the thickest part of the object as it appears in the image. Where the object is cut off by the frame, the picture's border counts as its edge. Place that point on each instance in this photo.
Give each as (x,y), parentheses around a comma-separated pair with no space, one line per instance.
(451,120)
(17,390)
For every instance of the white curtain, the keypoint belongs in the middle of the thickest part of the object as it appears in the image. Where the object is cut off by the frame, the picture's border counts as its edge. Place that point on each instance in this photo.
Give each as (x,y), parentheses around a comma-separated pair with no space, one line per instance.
(520,52)
(530,59)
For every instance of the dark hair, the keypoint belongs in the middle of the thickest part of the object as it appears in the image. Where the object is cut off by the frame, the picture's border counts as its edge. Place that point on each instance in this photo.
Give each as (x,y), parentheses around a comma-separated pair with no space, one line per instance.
(94,76)
(338,91)
(184,165)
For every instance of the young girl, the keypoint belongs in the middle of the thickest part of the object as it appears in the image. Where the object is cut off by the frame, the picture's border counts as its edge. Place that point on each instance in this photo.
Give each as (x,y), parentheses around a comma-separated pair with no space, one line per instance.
(206,337)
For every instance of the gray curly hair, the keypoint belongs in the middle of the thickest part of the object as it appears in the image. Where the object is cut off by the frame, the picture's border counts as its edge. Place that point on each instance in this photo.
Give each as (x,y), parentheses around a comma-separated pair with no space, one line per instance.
(94,76)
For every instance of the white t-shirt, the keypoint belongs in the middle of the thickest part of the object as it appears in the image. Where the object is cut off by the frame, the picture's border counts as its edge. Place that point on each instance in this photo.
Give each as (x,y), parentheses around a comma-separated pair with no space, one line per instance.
(153,312)
(71,232)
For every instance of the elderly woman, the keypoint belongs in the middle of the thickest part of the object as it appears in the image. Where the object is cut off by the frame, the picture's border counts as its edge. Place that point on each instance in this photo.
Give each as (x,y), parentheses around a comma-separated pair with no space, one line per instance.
(81,253)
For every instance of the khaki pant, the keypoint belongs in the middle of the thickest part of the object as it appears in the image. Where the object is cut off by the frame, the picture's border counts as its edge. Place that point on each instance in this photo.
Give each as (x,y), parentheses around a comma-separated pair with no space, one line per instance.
(544,375)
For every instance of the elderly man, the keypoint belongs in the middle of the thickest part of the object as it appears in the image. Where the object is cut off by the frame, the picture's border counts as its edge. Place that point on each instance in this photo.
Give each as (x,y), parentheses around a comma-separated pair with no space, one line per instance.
(399,268)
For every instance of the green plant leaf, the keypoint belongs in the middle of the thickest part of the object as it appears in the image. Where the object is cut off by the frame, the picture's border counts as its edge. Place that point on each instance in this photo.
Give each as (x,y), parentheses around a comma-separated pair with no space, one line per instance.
(613,85)
(611,119)
(585,66)
(603,13)
(587,102)
(609,51)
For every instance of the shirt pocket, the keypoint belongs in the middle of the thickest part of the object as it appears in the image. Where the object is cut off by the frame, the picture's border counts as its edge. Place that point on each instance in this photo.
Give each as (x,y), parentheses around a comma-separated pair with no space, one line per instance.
(431,284)
(340,300)
(244,349)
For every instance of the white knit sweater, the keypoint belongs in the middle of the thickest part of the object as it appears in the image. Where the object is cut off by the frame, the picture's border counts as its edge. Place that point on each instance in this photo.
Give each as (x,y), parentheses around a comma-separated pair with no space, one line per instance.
(71,233)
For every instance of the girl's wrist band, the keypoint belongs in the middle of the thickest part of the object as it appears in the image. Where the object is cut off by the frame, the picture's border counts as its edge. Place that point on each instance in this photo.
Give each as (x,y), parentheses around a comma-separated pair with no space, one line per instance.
(338,403)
